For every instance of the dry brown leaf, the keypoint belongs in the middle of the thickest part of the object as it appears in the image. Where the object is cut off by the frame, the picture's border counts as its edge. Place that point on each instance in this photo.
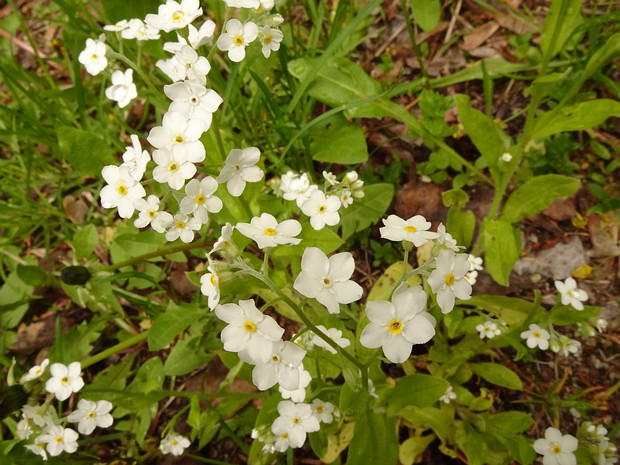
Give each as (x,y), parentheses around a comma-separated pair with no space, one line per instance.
(479,35)
(76,208)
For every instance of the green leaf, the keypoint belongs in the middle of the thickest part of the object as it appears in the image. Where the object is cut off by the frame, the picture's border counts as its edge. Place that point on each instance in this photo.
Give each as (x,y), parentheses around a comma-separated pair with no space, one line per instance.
(461,224)
(84,241)
(536,195)
(609,50)
(426,13)
(440,420)
(85,151)
(337,141)
(186,355)
(170,323)
(352,401)
(566,315)
(130,245)
(114,378)
(473,443)
(497,374)
(490,140)
(561,21)
(508,423)
(339,82)
(374,441)
(412,448)
(382,289)
(32,275)
(366,211)
(510,309)
(502,248)
(325,239)
(418,389)
(578,117)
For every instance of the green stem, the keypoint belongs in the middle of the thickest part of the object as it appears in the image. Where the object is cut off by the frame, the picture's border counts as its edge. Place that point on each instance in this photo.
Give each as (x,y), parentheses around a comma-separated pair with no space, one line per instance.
(414,43)
(157,253)
(302,316)
(215,123)
(134,340)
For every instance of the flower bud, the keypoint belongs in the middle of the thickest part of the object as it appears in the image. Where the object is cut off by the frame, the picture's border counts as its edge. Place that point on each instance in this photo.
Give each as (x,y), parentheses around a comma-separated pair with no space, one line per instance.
(555,345)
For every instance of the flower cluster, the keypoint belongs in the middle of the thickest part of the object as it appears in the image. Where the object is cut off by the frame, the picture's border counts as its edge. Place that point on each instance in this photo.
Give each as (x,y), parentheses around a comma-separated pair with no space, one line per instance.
(40,425)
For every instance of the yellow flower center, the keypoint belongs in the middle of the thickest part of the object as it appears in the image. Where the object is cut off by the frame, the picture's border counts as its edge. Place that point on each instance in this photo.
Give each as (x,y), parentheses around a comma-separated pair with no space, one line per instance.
(395,326)
(410,229)
(536,334)
(570,294)
(91,415)
(239,40)
(178,16)
(449,279)
(179,139)
(297,420)
(59,439)
(172,167)
(270,232)
(267,40)
(284,436)
(275,358)
(556,449)
(174,442)
(152,213)
(200,199)
(322,209)
(213,280)
(319,409)
(122,189)
(64,380)
(94,56)
(249,326)
(327,282)
(180,225)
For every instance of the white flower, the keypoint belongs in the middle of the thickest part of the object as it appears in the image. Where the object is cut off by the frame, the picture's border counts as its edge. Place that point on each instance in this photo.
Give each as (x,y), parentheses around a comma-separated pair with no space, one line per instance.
(601,324)
(568,346)
(345,198)
(282,366)
(240,168)
(122,90)
(248,329)
(35,372)
(174,444)
(328,279)
(415,230)
(193,100)
(136,159)
(179,135)
(471,277)
(173,15)
(149,214)
(447,396)
(570,294)
(321,210)
(266,231)
(183,227)
(445,239)
(200,200)
(91,414)
(121,191)
(296,187)
(210,286)
(396,326)
(448,279)
(295,420)
(39,415)
(119,26)
(270,40)
(556,449)
(255,4)
(236,38)
(536,336)
(193,66)
(330,178)
(173,69)
(335,335)
(195,37)
(488,329)
(506,157)
(299,394)
(93,57)
(37,448)
(323,411)
(64,381)
(225,236)
(24,429)
(59,439)
(137,29)
(475,263)
(172,169)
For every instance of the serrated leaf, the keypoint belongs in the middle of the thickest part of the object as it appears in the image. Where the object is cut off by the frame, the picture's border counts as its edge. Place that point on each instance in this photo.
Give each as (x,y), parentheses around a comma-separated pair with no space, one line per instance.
(536,195)
(497,374)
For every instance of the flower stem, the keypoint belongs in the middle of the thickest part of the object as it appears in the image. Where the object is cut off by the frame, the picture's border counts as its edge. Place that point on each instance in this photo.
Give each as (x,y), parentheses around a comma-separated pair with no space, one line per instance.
(134,340)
